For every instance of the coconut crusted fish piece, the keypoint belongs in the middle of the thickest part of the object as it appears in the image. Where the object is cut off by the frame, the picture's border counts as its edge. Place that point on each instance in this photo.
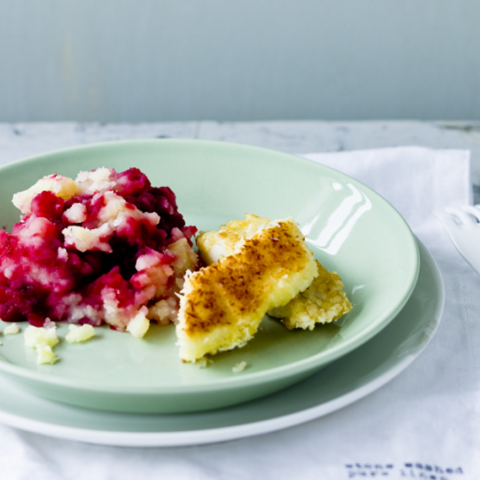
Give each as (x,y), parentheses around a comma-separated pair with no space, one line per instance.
(222,304)
(324,301)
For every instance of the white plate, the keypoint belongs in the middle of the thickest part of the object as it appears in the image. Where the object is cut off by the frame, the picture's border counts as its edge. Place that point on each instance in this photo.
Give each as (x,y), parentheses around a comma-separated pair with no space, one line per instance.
(342,383)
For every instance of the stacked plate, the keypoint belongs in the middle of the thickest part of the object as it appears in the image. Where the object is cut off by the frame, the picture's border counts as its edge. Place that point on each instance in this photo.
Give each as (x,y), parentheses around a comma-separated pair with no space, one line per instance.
(120,390)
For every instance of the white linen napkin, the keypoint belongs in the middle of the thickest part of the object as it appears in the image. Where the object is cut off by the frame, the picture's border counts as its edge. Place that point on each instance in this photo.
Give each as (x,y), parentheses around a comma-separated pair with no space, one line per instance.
(423,424)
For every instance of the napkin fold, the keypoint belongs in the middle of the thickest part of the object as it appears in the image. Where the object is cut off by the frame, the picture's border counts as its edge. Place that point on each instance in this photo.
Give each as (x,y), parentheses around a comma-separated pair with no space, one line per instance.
(423,424)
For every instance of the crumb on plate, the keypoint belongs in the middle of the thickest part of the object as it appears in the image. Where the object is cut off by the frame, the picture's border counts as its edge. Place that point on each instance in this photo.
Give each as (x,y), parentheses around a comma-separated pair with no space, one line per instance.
(11,329)
(42,339)
(239,367)
(78,333)
(45,355)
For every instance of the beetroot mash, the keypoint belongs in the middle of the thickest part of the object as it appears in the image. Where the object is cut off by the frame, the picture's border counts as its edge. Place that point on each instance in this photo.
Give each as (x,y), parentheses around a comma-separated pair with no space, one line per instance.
(105,248)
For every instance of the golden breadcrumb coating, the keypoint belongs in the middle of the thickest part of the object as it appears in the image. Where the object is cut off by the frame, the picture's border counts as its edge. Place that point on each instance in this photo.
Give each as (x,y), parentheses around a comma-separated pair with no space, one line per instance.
(213,246)
(324,301)
(222,304)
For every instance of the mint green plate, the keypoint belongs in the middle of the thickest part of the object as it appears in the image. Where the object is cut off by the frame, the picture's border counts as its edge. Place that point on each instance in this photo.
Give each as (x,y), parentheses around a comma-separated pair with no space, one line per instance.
(349,227)
(341,383)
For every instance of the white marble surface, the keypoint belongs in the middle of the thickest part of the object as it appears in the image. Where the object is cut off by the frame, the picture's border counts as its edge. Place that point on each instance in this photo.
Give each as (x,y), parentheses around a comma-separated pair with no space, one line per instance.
(22,140)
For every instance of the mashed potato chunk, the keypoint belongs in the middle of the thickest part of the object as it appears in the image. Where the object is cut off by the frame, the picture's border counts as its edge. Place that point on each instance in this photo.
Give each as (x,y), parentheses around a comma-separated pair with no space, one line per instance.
(79,333)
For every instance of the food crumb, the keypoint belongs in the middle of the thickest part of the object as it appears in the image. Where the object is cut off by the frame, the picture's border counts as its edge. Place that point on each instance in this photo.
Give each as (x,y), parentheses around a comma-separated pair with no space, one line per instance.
(42,340)
(36,336)
(45,354)
(11,329)
(203,362)
(239,367)
(79,333)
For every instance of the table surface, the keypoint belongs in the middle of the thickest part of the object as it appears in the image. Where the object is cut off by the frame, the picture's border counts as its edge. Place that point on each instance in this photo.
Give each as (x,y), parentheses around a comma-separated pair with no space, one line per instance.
(442,382)
(21,140)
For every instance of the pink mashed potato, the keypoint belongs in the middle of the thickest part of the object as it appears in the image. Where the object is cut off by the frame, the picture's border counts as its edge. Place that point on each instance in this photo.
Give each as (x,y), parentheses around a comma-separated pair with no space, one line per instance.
(105,248)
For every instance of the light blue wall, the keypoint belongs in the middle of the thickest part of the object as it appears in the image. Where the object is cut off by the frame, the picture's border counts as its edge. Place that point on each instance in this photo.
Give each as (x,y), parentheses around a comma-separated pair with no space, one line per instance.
(167,60)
